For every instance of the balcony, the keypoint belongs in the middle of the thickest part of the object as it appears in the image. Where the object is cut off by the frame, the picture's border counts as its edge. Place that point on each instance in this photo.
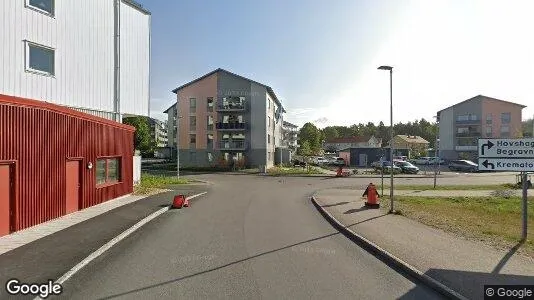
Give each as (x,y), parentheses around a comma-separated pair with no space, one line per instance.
(231,107)
(477,121)
(469,134)
(466,148)
(231,126)
(232,145)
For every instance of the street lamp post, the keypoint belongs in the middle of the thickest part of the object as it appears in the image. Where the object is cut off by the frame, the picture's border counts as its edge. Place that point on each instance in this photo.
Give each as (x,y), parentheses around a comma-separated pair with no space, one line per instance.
(390,69)
(436,154)
(177,143)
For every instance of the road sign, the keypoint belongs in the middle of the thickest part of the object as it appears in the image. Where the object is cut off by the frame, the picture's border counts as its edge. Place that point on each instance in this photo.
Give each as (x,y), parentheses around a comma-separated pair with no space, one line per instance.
(508,155)
(509,148)
(506,164)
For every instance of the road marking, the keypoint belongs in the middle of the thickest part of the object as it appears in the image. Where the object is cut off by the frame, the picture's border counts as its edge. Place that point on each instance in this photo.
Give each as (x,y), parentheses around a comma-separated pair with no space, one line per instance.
(114,241)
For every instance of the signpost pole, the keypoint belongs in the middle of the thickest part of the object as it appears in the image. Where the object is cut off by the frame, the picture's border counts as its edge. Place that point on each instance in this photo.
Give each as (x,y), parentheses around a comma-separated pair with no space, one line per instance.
(525,205)
(435,172)
(382,172)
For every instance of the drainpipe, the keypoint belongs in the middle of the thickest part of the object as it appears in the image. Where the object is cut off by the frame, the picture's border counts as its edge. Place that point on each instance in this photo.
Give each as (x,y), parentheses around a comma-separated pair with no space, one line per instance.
(116,92)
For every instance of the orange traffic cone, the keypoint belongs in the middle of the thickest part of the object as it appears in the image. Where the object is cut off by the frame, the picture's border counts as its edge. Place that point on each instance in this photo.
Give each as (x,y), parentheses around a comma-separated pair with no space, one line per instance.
(178,201)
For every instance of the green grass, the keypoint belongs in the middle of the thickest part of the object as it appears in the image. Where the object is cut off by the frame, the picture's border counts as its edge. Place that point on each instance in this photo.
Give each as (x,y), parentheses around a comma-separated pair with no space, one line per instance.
(492,187)
(495,220)
(277,171)
(150,183)
(250,171)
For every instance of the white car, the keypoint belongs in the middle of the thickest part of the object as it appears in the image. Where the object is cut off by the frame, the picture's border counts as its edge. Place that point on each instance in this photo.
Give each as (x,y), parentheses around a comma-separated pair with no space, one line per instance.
(436,160)
(320,160)
(423,160)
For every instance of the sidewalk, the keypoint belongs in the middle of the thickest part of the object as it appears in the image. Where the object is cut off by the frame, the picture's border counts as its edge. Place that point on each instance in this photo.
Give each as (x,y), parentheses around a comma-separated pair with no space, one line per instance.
(48,250)
(464,266)
(428,193)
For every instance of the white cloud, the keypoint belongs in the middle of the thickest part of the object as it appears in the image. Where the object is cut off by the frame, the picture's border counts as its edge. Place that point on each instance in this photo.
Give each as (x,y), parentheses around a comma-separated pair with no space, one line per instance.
(443,52)
(157,106)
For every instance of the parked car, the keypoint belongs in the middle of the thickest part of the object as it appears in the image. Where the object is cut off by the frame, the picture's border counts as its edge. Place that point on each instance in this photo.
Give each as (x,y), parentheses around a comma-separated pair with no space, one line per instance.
(436,160)
(425,160)
(375,164)
(338,161)
(386,166)
(320,161)
(299,163)
(407,167)
(463,165)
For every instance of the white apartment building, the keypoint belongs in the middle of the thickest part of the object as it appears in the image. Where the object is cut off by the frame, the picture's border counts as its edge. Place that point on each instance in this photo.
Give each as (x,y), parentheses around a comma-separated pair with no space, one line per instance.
(93,56)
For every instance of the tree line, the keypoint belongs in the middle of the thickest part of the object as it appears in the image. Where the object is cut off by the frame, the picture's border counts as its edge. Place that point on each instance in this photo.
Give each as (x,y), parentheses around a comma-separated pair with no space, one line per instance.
(311,138)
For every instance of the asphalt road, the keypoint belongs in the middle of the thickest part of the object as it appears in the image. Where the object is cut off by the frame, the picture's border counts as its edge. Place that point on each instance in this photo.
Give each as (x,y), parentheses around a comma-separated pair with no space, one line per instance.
(251,237)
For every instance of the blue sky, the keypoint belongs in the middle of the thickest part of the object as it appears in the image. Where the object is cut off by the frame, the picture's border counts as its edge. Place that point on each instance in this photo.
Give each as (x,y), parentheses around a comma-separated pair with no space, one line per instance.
(320,57)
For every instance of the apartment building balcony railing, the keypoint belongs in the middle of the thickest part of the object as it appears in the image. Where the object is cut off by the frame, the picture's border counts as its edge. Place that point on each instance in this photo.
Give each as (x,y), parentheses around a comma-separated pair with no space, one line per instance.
(477,121)
(232,145)
(231,126)
(469,134)
(222,107)
(465,148)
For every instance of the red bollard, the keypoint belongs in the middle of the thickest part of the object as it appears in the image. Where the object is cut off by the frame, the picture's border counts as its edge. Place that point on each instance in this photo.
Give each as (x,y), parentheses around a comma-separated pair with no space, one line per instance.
(340,171)
(372,196)
(179,201)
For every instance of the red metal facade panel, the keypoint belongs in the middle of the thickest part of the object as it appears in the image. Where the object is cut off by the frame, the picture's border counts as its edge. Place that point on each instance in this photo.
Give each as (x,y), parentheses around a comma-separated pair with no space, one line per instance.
(40,137)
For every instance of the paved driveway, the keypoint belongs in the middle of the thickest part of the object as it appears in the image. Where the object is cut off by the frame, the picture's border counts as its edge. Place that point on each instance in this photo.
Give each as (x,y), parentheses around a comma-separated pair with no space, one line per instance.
(252,237)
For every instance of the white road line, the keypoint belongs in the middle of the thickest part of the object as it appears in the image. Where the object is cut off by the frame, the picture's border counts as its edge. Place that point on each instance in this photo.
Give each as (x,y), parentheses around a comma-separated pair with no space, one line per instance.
(114,241)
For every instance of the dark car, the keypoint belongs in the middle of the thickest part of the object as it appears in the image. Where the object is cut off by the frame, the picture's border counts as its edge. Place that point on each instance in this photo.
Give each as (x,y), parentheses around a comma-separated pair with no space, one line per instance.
(298,163)
(407,167)
(463,165)
(339,162)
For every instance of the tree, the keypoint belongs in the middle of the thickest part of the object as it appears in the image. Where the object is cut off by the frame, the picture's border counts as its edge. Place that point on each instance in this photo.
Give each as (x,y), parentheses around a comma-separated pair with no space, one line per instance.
(305,149)
(142,140)
(311,134)
(330,132)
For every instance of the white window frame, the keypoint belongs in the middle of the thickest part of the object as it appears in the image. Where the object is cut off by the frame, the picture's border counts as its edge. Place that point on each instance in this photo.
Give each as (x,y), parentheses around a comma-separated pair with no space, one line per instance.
(40,10)
(27,59)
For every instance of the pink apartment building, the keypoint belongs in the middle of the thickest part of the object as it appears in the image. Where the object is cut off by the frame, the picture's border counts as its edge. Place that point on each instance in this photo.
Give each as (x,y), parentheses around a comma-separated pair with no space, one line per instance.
(225,116)
(461,125)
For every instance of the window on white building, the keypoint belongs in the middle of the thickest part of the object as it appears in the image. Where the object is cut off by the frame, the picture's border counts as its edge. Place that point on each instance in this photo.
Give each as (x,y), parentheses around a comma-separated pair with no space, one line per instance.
(40,59)
(44,6)
(269,138)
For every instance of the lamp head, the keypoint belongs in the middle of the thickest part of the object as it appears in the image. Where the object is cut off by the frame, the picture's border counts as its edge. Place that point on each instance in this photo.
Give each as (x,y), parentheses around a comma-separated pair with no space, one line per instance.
(388,68)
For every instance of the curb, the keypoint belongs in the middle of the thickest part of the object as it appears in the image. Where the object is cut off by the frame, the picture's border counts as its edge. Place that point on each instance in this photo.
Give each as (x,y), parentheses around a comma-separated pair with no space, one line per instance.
(388,257)
(112,242)
(352,176)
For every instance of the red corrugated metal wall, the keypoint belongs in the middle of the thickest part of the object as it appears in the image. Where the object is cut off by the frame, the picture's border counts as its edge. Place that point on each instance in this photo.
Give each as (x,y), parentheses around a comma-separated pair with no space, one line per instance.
(40,137)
